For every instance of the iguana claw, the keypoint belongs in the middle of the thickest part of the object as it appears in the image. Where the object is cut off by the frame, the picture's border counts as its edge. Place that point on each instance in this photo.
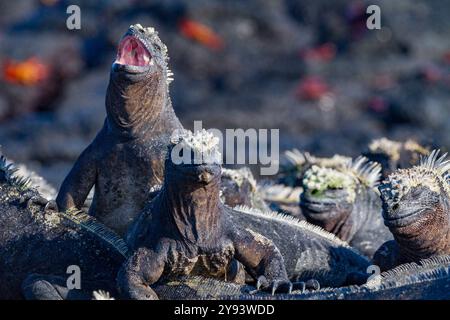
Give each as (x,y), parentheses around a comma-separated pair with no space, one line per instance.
(281,286)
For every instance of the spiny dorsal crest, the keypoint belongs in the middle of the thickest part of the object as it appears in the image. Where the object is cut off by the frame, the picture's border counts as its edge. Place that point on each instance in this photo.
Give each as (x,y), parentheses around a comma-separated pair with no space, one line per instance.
(203,145)
(386,146)
(433,172)
(12,178)
(367,172)
(296,223)
(298,158)
(89,223)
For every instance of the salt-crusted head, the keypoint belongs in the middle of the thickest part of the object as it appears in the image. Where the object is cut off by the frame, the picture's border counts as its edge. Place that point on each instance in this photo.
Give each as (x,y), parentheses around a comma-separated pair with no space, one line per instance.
(194,155)
(329,194)
(418,197)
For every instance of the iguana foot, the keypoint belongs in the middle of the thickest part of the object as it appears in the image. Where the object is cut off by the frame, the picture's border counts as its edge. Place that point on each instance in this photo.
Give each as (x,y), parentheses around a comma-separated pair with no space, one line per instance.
(276,286)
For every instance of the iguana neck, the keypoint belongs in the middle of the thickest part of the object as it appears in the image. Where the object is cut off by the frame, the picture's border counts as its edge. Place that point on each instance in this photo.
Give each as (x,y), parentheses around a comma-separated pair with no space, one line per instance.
(426,241)
(136,109)
(356,219)
(194,210)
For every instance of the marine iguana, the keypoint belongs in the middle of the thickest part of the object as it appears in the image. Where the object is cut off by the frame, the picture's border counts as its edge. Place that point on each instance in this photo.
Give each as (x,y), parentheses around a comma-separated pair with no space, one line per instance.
(416,208)
(185,229)
(393,155)
(285,195)
(38,244)
(345,202)
(127,156)
(308,251)
(296,163)
(427,279)
(239,187)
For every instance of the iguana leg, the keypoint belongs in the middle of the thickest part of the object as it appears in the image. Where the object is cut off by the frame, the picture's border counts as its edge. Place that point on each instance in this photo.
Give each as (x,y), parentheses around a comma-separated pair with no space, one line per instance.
(262,260)
(44,287)
(141,270)
(79,182)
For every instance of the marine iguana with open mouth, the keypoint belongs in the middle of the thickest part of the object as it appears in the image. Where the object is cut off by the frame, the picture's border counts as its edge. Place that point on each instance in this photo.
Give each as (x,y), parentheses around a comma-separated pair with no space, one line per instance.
(393,155)
(187,219)
(127,156)
(416,209)
(38,244)
(345,202)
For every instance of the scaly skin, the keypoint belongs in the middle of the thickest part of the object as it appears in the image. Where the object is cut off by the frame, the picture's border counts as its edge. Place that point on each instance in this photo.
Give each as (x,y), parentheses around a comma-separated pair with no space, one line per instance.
(429,280)
(285,196)
(344,202)
(416,208)
(393,155)
(37,245)
(186,230)
(127,157)
(239,188)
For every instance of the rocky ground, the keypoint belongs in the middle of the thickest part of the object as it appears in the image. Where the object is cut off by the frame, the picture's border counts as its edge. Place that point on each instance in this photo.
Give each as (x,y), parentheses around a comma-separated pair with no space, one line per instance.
(310,68)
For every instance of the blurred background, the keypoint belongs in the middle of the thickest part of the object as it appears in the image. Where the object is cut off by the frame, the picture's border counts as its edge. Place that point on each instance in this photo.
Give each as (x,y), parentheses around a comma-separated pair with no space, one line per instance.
(309,68)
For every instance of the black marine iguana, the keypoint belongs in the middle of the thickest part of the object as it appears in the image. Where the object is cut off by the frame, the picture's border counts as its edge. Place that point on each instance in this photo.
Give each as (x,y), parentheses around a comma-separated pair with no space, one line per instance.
(393,155)
(127,156)
(187,215)
(428,279)
(285,195)
(37,243)
(416,208)
(185,229)
(345,202)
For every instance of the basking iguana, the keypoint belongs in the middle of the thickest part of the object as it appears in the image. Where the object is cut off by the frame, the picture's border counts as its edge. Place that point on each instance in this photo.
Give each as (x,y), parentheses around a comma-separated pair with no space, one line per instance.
(284,196)
(393,155)
(186,230)
(239,188)
(345,202)
(428,279)
(37,244)
(186,223)
(416,208)
(127,157)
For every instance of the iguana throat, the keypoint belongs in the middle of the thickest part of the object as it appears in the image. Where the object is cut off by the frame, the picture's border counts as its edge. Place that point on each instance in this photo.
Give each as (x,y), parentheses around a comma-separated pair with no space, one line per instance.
(193,202)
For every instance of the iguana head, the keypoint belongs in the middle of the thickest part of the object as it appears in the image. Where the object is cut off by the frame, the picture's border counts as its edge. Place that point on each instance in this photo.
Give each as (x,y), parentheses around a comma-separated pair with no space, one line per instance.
(393,155)
(416,201)
(141,54)
(194,159)
(297,163)
(329,194)
(138,89)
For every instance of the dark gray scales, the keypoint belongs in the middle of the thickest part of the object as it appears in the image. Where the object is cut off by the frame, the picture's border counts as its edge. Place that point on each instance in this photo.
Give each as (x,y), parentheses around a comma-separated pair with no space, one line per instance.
(36,240)
(428,279)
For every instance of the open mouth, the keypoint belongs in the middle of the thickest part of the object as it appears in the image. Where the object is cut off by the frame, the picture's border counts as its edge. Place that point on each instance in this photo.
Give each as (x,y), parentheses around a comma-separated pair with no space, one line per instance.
(132,52)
